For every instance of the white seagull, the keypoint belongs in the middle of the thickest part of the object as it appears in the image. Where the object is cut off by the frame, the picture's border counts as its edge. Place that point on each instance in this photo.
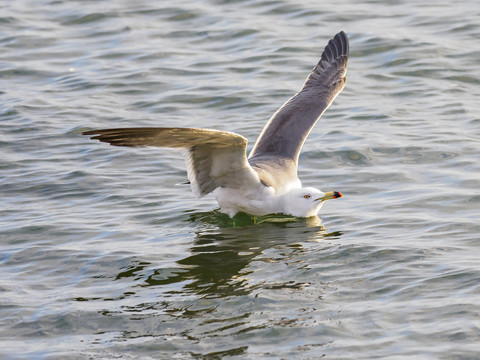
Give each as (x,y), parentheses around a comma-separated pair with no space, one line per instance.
(265,182)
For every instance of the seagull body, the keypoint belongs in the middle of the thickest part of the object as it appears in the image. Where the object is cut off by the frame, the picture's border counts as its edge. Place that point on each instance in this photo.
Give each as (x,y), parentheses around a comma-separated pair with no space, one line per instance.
(266,182)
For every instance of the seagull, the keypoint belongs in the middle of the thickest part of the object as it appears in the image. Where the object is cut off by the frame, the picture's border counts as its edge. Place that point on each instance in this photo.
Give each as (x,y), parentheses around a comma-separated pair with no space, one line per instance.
(265,182)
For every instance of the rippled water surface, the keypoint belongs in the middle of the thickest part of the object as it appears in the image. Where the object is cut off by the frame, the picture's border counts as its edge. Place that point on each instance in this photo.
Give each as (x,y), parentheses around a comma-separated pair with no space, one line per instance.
(105,253)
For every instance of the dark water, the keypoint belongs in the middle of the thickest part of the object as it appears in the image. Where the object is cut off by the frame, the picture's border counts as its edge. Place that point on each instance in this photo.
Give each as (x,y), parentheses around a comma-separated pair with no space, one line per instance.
(105,253)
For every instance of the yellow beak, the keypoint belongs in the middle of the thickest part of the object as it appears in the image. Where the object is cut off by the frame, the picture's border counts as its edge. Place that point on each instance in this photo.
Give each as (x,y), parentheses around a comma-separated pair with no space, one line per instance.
(330,195)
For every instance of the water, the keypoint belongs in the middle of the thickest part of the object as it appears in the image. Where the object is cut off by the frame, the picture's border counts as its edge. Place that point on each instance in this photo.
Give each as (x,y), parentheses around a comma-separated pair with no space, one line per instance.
(106,254)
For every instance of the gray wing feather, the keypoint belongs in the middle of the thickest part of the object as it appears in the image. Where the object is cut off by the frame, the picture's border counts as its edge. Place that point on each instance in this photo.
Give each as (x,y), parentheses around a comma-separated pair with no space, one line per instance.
(284,134)
(214,158)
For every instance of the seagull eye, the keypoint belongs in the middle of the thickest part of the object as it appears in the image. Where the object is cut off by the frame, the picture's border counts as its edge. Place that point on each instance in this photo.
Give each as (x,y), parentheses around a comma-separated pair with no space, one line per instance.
(306,196)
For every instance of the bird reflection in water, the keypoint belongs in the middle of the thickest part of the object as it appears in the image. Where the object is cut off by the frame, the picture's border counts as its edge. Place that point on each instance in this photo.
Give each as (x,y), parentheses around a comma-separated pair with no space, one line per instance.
(220,256)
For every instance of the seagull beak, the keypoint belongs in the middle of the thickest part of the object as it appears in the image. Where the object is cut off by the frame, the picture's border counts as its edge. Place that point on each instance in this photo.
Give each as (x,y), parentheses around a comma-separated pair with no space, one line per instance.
(330,195)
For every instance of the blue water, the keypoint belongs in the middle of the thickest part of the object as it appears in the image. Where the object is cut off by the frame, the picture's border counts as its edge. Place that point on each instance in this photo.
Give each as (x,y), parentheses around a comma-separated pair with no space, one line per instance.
(105,253)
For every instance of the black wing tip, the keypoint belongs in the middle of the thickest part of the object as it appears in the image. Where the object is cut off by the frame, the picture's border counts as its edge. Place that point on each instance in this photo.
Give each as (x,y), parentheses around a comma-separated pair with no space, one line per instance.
(343,38)
(90,132)
(105,131)
(105,135)
(337,47)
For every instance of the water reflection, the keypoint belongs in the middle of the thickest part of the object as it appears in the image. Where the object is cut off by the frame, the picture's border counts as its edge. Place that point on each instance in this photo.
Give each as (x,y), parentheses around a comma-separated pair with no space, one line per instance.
(198,296)
(220,256)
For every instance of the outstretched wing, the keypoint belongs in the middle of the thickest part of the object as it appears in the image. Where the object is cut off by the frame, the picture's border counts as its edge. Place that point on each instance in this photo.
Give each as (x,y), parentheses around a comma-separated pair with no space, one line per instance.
(284,134)
(214,158)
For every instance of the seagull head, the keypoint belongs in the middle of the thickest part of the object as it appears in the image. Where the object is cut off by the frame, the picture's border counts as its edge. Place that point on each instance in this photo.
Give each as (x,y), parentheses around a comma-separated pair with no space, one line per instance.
(307,202)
